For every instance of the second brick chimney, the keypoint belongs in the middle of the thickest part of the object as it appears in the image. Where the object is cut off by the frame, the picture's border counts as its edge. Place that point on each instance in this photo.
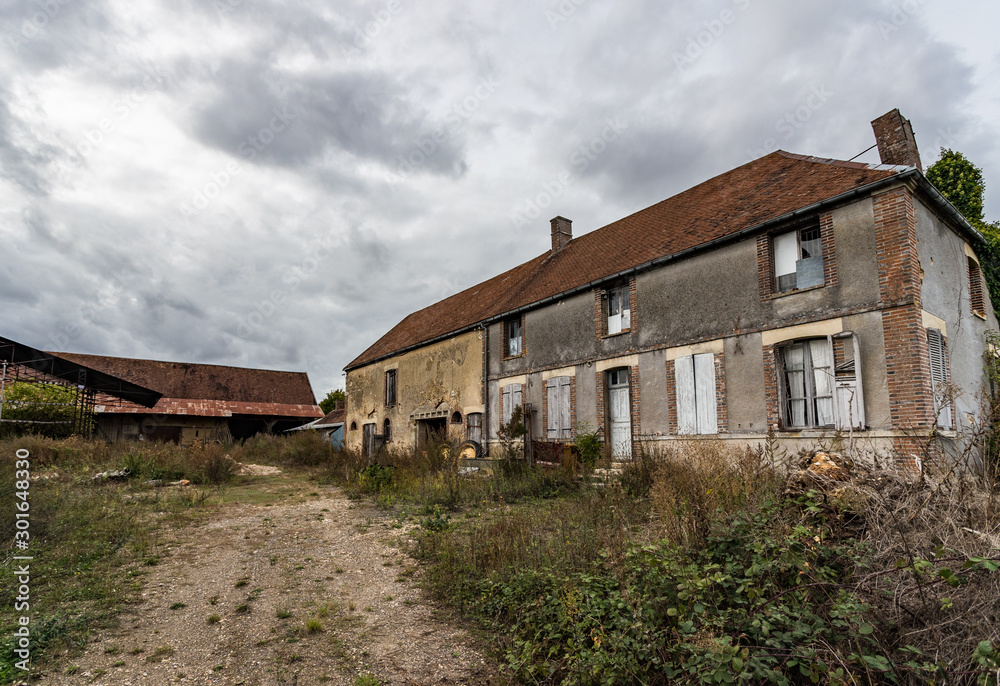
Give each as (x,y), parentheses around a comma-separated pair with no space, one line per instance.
(562,233)
(896,144)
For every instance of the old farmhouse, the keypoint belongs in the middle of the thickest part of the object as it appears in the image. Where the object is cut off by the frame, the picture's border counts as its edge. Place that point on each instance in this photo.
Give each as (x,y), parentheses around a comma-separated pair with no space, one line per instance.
(800,295)
(201,402)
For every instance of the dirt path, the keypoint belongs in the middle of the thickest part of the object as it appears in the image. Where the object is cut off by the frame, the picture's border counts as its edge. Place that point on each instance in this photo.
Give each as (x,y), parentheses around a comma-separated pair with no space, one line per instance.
(309,592)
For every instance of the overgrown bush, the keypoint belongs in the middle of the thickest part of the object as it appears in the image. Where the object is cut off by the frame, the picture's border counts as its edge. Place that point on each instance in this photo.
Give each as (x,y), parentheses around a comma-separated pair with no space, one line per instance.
(695,484)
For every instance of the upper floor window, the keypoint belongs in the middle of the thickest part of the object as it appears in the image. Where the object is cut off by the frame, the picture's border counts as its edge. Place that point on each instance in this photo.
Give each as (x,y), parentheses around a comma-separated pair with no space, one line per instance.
(976,297)
(619,309)
(390,388)
(513,334)
(798,259)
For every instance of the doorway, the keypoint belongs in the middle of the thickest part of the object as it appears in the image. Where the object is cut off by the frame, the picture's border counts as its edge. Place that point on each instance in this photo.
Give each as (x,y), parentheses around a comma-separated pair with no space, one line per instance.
(619,414)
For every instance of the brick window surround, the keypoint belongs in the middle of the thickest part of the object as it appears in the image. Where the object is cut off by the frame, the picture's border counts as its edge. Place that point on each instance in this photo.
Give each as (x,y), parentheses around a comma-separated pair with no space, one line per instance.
(601,301)
(721,411)
(519,319)
(766,279)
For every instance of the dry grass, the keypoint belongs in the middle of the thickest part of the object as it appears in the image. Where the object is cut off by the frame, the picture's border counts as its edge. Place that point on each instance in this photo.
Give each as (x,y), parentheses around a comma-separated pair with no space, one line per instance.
(696,484)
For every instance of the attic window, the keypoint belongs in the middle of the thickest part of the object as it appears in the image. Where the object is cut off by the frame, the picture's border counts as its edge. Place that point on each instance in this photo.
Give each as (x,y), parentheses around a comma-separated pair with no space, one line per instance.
(798,258)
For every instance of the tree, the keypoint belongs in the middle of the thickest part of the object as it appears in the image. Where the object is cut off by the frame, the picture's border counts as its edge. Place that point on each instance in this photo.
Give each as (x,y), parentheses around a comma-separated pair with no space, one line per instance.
(962,183)
(330,401)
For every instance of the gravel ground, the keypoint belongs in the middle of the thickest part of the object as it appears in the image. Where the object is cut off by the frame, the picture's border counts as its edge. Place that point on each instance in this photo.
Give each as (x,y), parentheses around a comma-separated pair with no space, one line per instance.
(213,611)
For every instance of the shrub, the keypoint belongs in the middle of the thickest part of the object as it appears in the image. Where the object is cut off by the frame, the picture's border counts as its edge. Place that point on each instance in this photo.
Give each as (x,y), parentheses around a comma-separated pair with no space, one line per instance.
(698,483)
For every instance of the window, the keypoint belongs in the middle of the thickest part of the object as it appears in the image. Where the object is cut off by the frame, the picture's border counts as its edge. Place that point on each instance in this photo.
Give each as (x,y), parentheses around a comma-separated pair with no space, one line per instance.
(456,417)
(976,298)
(386,431)
(798,259)
(558,406)
(354,426)
(512,332)
(390,388)
(619,310)
(510,397)
(694,376)
(820,383)
(808,384)
(938,352)
(475,427)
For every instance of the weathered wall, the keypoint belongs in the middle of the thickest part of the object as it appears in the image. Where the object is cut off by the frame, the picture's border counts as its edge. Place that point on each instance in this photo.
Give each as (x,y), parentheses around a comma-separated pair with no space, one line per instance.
(442,378)
(945,296)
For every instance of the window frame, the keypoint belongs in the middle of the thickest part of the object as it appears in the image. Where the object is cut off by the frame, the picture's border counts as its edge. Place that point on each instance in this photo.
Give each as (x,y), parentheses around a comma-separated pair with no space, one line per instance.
(391,395)
(846,391)
(472,425)
(814,242)
(508,339)
(618,295)
(696,386)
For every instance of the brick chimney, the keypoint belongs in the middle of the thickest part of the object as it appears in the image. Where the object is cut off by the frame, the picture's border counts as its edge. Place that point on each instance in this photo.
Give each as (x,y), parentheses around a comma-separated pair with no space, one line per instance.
(896,144)
(562,233)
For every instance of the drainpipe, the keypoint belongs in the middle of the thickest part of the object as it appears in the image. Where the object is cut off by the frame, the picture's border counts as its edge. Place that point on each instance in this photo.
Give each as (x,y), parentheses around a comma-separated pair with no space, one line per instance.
(3,383)
(486,390)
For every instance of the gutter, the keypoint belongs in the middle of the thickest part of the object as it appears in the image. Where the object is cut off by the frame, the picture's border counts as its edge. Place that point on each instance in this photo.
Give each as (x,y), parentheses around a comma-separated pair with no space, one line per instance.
(910,173)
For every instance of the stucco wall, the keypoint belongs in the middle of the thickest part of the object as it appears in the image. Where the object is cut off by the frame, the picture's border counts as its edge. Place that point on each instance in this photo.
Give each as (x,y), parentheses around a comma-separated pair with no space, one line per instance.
(945,296)
(446,375)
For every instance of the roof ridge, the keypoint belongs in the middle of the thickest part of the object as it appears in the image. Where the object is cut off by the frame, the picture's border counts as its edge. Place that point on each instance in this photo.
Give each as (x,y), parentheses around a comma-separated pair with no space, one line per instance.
(196,364)
(847,164)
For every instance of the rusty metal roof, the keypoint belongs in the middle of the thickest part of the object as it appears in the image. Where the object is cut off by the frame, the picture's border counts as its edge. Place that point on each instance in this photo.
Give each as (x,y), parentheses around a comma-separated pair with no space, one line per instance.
(178,381)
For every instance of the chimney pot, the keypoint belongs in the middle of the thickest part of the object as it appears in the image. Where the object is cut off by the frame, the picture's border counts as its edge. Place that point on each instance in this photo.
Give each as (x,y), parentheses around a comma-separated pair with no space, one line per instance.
(562,233)
(896,143)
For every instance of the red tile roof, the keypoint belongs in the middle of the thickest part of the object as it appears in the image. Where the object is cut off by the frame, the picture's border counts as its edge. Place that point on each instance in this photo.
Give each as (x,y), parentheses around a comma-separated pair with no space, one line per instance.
(208,389)
(759,191)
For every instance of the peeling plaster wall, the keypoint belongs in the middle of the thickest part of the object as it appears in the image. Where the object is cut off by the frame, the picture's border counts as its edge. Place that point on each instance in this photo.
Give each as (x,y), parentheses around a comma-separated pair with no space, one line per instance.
(445,374)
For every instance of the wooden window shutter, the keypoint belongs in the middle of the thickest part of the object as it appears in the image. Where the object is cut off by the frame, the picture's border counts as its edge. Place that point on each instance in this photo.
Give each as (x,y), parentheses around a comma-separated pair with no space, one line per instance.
(705,405)
(687,416)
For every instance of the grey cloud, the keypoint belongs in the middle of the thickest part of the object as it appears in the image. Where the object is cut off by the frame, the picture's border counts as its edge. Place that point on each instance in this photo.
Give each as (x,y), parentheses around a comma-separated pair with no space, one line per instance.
(265,115)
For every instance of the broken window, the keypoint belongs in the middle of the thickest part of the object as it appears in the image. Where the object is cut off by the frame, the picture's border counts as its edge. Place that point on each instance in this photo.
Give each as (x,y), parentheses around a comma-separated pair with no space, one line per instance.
(694,376)
(559,408)
(798,259)
(619,309)
(390,388)
(938,352)
(512,332)
(475,427)
(821,383)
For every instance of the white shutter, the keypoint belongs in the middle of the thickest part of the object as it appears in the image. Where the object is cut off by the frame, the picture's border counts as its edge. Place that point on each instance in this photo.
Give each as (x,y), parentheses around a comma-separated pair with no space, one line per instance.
(704,377)
(565,415)
(849,399)
(508,406)
(552,396)
(939,377)
(687,416)
(515,396)
(786,253)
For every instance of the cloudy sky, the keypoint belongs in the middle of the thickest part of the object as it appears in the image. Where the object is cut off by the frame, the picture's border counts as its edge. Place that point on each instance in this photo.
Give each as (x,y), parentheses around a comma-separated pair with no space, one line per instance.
(277,183)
